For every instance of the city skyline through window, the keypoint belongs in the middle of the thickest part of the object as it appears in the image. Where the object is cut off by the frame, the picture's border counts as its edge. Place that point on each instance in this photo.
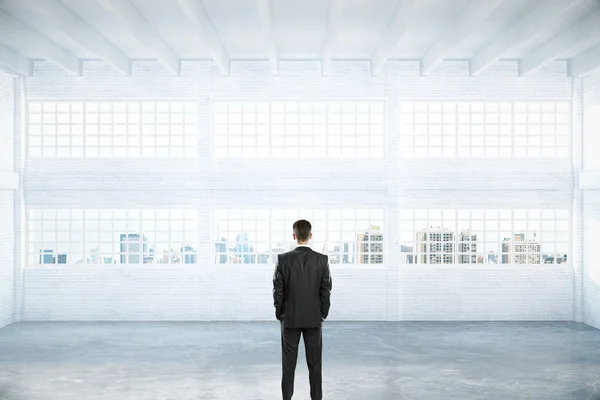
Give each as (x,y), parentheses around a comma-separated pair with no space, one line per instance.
(255,236)
(485,236)
(100,236)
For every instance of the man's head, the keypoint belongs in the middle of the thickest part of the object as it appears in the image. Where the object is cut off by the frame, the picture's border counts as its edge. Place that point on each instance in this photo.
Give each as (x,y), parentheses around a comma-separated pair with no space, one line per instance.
(302,231)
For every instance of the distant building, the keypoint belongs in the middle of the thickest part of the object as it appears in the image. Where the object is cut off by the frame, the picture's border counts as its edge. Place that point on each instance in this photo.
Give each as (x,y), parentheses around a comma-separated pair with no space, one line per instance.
(492,258)
(221,251)
(243,249)
(343,253)
(347,253)
(467,248)
(189,255)
(151,257)
(133,248)
(554,259)
(520,250)
(435,245)
(95,255)
(47,257)
(335,256)
(406,254)
(278,249)
(61,259)
(166,256)
(370,246)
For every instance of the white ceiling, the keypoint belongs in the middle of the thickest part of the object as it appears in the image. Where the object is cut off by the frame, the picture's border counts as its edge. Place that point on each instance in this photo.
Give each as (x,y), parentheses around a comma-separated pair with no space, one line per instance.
(67,32)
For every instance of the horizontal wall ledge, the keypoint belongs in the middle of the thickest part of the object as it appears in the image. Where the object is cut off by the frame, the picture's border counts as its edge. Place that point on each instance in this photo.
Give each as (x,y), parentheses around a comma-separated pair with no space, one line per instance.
(496,198)
(301,199)
(9,180)
(199,197)
(116,199)
(109,174)
(589,179)
(485,174)
(175,176)
(308,174)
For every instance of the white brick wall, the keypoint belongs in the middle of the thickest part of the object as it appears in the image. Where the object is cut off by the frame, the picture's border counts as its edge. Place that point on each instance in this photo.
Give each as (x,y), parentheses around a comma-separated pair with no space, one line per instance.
(19,203)
(7,228)
(591,283)
(244,293)
(591,201)
(449,293)
(184,294)
(486,293)
(7,266)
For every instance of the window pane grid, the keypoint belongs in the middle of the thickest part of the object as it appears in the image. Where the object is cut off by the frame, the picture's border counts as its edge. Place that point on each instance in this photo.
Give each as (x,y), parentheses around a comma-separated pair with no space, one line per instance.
(111,129)
(256,236)
(285,129)
(488,236)
(485,129)
(161,236)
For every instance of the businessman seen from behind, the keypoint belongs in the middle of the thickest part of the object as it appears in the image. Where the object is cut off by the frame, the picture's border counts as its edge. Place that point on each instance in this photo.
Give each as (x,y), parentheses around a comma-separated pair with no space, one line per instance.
(301,293)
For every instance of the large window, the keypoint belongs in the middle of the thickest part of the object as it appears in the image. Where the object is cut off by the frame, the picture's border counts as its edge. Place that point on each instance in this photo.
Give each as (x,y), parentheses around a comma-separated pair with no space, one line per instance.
(299,129)
(255,236)
(486,129)
(146,236)
(484,236)
(111,129)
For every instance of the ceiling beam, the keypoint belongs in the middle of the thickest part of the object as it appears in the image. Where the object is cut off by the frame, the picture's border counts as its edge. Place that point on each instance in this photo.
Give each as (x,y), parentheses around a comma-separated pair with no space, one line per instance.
(15,61)
(545,12)
(471,18)
(59,17)
(394,31)
(198,15)
(36,45)
(265,10)
(334,16)
(580,31)
(145,33)
(585,62)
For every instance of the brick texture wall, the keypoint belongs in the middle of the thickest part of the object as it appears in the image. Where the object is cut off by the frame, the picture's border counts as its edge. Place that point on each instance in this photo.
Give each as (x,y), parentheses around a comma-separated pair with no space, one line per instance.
(7,226)
(390,292)
(591,201)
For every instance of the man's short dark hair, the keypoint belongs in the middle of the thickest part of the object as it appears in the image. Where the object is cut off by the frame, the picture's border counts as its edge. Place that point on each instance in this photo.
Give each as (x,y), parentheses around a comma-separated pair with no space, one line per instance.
(302,229)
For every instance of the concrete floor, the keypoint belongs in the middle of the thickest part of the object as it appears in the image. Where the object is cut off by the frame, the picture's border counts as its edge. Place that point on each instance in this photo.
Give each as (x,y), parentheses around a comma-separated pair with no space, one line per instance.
(370,361)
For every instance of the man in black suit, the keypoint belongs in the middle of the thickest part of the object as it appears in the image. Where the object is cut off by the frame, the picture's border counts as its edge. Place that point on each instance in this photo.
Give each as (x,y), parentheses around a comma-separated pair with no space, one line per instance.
(301,292)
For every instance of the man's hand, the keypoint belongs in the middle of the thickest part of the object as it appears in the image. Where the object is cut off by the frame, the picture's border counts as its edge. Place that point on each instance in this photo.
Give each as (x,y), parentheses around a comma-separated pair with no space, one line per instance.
(325,291)
(278,296)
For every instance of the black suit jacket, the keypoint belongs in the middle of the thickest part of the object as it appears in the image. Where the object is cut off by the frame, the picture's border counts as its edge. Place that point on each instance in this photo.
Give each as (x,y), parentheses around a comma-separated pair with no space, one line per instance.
(302,288)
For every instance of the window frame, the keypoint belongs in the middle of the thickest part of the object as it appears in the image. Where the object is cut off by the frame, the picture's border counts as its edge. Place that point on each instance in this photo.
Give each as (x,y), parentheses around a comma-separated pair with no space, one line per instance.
(408,151)
(137,223)
(533,226)
(277,120)
(188,149)
(286,231)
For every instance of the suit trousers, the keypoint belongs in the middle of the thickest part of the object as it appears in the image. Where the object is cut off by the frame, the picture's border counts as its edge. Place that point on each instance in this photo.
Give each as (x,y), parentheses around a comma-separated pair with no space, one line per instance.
(313,345)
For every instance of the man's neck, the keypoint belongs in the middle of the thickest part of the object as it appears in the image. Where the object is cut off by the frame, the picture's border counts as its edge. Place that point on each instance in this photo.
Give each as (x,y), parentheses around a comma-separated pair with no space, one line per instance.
(302,244)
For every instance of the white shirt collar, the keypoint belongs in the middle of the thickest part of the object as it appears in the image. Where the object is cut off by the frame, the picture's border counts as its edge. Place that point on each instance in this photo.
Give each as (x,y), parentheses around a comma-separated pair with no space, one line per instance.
(302,245)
